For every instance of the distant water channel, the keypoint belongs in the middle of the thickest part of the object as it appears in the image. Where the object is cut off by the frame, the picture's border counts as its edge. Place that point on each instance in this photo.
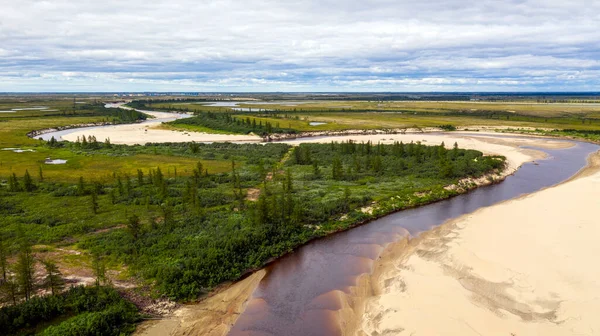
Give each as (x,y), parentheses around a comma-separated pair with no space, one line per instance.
(150,121)
(298,296)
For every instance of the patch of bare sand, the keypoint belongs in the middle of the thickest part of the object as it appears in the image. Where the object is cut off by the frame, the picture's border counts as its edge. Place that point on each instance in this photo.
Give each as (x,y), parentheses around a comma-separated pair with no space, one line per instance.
(522,267)
(149,132)
(212,317)
(139,134)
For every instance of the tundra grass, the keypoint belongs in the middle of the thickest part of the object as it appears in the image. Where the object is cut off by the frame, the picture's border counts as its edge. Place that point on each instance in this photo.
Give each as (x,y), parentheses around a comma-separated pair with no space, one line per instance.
(382,120)
(528,108)
(96,167)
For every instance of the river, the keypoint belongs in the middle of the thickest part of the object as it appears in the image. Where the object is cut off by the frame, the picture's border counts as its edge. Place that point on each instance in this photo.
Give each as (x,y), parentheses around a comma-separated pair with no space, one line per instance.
(156,119)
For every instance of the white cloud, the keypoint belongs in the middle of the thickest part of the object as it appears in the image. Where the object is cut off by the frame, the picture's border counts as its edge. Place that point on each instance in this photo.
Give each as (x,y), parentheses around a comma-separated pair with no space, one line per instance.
(381,44)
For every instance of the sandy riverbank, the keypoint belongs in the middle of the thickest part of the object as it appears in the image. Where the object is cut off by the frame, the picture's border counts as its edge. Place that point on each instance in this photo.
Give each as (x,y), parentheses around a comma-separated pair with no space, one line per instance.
(523,267)
(213,316)
(148,132)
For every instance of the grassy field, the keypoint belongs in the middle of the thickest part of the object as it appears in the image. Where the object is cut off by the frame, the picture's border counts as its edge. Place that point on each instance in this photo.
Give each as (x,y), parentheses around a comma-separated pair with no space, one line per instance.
(527,108)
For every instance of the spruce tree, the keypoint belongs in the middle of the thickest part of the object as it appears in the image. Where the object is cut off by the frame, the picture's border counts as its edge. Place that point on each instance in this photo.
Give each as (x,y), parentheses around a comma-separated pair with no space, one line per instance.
(128,186)
(113,196)
(28,182)
(99,270)
(120,186)
(140,177)
(377,166)
(94,202)
(53,280)
(316,170)
(10,289)
(134,226)
(25,268)
(346,199)
(13,183)
(336,169)
(262,213)
(80,186)
(3,256)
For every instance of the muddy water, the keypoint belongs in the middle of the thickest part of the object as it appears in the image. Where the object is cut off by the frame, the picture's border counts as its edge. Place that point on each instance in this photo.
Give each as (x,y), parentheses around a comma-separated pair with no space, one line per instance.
(300,293)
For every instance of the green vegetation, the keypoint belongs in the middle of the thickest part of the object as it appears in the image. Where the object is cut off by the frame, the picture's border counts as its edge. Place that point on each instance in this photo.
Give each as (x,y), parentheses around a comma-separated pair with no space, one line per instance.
(586,135)
(227,122)
(205,230)
(187,230)
(78,311)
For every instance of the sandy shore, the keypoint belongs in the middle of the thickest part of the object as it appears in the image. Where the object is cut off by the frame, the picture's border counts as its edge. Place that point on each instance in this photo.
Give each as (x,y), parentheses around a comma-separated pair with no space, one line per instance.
(148,132)
(523,267)
(212,317)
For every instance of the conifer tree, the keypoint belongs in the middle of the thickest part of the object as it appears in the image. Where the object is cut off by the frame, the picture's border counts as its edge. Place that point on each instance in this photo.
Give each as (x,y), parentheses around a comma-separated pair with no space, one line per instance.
(316,170)
(346,199)
(80,187)
(140,177)
(10,289)
(134,226)
(262,209)
(99,270)
(336,169)
(113,196)
(94,202)
(53,280)
(25,267)
(13,183)
(377,166)
(28,182)
(3,256)
(128,187)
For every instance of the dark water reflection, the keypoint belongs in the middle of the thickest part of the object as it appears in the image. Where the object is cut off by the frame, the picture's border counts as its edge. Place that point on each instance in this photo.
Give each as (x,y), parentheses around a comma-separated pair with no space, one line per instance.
(299,294)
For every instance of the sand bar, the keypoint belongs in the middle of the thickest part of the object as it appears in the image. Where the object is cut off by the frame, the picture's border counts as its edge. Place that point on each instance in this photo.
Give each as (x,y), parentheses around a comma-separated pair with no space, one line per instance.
(523,267)
(148,132)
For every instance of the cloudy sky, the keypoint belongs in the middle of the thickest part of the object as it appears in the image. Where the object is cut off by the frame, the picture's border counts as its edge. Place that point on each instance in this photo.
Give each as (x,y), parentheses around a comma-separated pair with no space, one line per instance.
(300,45)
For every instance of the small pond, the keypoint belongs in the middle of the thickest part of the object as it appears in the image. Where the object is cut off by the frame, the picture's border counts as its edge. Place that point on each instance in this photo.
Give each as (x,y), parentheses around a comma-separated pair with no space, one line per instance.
(55,161)
(18,150)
